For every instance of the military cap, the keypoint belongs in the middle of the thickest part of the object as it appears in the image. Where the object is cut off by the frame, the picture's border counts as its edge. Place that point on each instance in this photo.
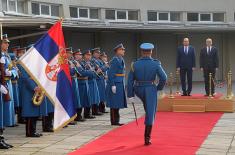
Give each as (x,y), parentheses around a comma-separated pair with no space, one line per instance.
(119,46)
(5,38)
(78,51)
(88,51)
(147,46)
(69,50)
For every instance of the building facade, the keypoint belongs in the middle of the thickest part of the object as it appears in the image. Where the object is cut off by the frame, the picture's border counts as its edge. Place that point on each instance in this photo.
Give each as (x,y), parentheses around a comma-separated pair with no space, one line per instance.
(105,23)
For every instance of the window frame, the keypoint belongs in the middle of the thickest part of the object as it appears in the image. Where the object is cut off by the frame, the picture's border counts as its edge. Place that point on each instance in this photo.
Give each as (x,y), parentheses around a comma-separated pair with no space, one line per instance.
(205,13)
(44,15)
(88,14)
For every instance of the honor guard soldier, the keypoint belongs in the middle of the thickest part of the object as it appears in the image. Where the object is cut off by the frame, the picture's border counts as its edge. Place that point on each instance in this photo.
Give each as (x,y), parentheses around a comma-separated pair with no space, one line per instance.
(115,90)
(142,83)
(100,79)
(10,72)
(83,86)
(14,82)
(104,61)
(33,103)
(93,88)
(20,52)
(3,90)
(73,73)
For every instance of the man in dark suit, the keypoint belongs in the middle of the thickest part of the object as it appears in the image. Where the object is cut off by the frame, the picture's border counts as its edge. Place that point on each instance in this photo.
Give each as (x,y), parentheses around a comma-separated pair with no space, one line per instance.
(209,62)
(185,63)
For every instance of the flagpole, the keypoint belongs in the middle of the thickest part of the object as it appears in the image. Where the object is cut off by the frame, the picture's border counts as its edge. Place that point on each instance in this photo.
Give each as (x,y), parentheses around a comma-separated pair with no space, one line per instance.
(1,30)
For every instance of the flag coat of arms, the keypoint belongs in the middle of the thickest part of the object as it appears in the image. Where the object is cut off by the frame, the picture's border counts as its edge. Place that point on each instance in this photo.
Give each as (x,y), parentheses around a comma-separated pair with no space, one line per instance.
(46,62)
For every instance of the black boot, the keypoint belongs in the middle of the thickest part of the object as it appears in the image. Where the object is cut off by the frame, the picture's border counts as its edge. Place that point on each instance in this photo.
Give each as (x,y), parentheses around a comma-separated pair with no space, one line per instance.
(102,107)
(3,145)
(79,116)
(147,135)
(21,120)
(47,123)
(87,113)
(95,110)
(31,123)
(115,117)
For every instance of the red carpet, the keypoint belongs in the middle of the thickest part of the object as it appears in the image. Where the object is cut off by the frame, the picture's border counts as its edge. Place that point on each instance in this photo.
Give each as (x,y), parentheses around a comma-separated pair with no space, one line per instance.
(173,134)
(197,96)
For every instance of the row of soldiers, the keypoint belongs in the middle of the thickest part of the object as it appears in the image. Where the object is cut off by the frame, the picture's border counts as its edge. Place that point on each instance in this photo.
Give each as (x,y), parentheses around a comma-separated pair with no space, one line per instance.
(89,71)
(17,90)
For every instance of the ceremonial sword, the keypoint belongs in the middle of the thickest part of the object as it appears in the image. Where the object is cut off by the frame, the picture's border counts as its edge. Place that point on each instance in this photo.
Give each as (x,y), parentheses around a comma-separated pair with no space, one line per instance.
(136,120)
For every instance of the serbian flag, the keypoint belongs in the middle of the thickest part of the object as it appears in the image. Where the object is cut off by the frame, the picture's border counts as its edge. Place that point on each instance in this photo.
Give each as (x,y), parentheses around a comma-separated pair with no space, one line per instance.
(46,62)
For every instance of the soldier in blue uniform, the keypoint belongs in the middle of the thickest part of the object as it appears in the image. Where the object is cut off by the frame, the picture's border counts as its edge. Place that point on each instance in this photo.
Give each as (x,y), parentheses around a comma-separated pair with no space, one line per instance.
(93,88)
(20,52)
(142,83)
(84,74)
(100,80)
(10,72)
(3,90)
(115,89)
(14,81)
(30,111)
(105,63)
(73,73)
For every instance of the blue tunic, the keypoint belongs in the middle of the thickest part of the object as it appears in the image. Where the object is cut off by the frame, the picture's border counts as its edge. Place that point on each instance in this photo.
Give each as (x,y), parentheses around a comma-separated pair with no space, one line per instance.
(19,87)
(141,81)
(101,79)
(92,83)
(1,112)
(28,108)
(15,88)
(83,85)
(116,77)
(76,95)
(50,106)
(9,107)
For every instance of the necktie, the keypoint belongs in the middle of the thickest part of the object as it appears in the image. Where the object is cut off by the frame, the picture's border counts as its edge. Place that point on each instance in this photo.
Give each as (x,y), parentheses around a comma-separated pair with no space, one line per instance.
(185,50)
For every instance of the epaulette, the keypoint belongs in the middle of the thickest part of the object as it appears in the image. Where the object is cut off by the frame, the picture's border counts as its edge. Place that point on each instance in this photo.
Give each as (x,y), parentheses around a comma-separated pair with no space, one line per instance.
(159,62)
(132,66)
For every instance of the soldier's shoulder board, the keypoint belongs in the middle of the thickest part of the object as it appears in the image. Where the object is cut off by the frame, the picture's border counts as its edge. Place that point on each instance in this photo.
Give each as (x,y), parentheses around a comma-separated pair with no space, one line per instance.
(158,61)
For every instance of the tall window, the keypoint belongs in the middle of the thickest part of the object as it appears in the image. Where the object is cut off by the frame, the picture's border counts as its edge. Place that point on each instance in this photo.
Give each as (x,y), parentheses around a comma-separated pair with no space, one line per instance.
(84,13)
(17,6)
(44,9)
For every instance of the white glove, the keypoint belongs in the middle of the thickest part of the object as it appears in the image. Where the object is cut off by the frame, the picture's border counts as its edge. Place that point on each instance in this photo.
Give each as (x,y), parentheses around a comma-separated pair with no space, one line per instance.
(114,89)
(8,73)
(131,100)
(3,89)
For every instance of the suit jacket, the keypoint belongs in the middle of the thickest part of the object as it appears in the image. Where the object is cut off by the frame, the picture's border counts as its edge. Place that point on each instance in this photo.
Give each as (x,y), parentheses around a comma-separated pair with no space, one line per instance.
(210,60)
(185,61)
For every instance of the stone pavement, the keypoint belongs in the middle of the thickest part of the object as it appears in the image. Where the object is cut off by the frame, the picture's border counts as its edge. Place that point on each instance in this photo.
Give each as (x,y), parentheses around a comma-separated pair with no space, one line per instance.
(66,140)
(219,142)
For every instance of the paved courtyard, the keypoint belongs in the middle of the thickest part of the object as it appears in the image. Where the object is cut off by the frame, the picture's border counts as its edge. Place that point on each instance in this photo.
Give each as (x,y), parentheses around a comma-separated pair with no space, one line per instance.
(219,142)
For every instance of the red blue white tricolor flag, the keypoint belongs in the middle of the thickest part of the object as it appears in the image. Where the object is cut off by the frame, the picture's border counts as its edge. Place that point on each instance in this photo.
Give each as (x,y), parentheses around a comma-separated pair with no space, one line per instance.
(46,62)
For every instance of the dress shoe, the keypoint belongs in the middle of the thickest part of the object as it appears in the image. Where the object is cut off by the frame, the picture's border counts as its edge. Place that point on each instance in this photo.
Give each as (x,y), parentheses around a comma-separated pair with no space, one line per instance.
(90,117)
(3,145)
(184,95)
(48,130)
(97,113)
(117,124)
(36,135)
